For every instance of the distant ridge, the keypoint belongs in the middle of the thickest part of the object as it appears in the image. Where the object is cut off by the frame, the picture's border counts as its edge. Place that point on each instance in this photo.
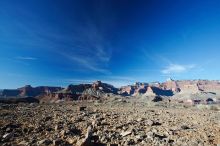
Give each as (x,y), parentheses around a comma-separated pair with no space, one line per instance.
(98,89)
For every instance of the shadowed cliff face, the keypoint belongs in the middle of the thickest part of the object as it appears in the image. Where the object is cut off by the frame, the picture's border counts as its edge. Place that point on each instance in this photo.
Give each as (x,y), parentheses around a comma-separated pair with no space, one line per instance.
(19,100)
(162,92)
(10,92)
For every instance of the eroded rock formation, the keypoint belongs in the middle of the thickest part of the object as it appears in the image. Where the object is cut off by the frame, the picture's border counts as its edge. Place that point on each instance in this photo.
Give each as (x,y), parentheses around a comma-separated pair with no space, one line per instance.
(98,90)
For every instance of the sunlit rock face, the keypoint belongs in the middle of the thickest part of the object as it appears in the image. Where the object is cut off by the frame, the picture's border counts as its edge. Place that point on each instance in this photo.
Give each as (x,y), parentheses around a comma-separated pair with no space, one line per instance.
(28,90)
(172,87)
(94,91)
(98,90)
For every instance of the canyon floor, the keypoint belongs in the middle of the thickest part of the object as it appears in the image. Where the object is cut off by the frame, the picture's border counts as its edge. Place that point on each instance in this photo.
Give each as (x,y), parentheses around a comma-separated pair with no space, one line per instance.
(111,123)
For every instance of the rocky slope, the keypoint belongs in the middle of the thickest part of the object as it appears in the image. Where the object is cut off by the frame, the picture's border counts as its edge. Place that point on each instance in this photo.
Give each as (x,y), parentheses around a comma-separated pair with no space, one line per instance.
(109,123)
(19,100)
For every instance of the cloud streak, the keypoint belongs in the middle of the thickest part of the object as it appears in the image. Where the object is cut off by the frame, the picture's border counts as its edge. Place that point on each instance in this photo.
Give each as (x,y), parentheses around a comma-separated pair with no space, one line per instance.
(26,58)
(87,63)
(85,46)
(90,50)
(177,68)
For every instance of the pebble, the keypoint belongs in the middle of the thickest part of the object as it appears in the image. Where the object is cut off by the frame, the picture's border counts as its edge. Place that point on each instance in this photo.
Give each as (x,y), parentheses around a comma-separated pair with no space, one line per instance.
(125,133)
(111,126)
(7,136)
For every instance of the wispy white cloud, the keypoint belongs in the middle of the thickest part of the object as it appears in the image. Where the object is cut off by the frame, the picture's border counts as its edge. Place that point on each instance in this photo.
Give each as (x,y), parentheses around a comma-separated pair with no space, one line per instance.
(85,46)
(177,68)
(26,58)
(90,50)
(87,63)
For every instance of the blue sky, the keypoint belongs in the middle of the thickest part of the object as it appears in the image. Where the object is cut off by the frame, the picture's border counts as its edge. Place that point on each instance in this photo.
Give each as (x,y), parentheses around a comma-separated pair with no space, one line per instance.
(53,42)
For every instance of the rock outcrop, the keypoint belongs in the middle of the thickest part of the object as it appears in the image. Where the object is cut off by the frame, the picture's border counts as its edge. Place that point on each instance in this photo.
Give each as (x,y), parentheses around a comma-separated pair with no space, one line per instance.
(192,86)
(148,90)
(35,91)
(171,87)
(28,91)
(127,90)
(94,91)
(99,90)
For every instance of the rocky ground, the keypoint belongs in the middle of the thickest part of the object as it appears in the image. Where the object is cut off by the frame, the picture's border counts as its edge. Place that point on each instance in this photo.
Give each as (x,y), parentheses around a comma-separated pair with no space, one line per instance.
(113,124)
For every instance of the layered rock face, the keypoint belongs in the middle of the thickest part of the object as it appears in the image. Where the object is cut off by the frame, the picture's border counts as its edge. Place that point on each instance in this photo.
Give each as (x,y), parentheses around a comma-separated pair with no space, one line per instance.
(171,85)
(127,90)
(209,86)
(99,90)
(179,89)
(145,89)
(76,89)
(107,88)
(93,91)
(28,91)
(31,91)
(192,86)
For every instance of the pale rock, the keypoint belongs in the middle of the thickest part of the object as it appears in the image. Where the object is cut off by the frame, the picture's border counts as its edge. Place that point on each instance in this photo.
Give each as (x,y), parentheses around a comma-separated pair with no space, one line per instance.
(125,133)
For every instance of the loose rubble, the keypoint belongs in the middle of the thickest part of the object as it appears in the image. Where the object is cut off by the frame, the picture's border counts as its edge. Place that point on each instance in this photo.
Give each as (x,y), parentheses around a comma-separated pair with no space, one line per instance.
(118,124)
